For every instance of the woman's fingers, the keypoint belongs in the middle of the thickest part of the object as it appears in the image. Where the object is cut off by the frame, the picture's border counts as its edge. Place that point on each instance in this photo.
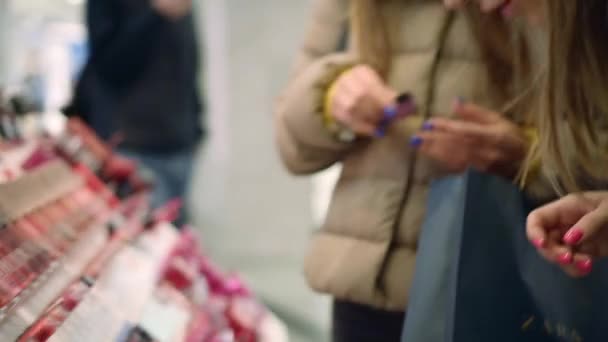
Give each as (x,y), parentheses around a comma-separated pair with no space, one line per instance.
(555,251)
(545,229)
(548,218)
(581,266)
(457,151)
(359,126)
(358,99)
(361,118)
(547,226)
(473,113)
(536,231)
(562,256)
(570,231)
(465,130)
(560,214)
(366,102)
(596,246)
(588,226)
(377,91)
(444,148)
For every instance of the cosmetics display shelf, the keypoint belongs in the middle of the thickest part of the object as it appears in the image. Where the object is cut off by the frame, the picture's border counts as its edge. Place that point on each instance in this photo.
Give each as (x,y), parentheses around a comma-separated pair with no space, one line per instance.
(83,258)
(48,240)
(49,286)
(113,296)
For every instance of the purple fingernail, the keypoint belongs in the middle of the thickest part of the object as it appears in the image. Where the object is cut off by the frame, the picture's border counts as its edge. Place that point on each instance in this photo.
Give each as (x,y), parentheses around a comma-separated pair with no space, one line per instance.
(427,126)
(415,141)
(390,112)
(380,132)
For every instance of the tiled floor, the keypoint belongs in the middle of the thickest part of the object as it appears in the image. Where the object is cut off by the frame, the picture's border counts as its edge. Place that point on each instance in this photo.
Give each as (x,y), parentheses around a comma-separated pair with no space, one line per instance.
(253,217)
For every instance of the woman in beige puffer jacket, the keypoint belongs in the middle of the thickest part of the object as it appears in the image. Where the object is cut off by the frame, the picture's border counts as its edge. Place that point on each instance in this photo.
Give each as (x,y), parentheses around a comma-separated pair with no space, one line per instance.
(331,111)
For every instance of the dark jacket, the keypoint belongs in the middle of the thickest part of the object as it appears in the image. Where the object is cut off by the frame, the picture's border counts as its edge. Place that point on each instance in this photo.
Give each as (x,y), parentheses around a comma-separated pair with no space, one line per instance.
(141,77)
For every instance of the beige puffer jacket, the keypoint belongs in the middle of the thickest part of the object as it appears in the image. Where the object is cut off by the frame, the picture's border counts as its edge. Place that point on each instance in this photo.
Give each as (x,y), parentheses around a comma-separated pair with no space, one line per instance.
(361,254)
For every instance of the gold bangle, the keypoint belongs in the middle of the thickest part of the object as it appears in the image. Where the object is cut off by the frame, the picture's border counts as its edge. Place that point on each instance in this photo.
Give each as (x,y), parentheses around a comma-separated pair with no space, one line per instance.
(328,117)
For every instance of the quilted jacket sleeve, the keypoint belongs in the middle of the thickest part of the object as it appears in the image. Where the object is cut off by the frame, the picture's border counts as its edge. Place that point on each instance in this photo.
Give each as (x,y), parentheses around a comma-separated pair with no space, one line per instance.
(305,145)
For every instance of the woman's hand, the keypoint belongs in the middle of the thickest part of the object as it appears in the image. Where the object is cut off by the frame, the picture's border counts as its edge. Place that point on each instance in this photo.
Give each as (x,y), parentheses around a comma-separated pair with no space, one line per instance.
(572,231)
(482,139)
(358,99)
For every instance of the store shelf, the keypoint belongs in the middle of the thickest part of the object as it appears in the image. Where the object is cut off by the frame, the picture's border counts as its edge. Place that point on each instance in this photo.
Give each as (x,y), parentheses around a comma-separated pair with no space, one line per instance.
(39,295)
(117,300)
(119,271)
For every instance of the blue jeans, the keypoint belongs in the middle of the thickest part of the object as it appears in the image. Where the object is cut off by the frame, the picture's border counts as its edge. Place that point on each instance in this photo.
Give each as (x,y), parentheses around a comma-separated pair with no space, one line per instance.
(171,173)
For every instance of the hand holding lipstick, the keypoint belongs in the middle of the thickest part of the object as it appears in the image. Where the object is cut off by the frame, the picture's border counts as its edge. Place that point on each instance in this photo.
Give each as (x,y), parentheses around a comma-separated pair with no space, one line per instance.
(572,231)
(358,98)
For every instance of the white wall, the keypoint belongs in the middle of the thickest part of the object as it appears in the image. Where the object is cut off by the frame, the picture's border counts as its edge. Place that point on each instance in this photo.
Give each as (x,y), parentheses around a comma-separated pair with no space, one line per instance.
(18,17)
(60,9)
(37,40)
(3,39)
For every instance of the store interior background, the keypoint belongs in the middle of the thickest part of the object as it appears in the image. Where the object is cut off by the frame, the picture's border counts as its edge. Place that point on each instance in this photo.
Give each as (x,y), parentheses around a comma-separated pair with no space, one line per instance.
(251,215)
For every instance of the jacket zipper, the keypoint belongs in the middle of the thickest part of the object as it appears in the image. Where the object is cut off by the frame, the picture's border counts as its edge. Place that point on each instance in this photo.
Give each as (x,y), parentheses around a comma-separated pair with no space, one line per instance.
(413,154)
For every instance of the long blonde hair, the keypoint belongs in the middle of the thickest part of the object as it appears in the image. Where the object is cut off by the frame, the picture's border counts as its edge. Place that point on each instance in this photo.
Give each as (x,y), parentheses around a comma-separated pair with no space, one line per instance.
(370,27)
(564,100)
(573,101)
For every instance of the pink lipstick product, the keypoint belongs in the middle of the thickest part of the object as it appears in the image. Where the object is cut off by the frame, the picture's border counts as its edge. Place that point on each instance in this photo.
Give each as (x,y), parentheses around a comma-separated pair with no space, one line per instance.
(42,223)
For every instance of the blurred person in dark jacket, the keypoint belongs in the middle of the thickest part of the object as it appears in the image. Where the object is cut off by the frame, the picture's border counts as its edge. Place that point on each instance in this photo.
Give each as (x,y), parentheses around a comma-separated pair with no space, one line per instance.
(140,83)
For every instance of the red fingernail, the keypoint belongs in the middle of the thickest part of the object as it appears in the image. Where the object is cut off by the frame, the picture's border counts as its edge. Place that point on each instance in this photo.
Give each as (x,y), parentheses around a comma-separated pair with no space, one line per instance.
(573,236)
(565,259)
(585,266)
(539,243)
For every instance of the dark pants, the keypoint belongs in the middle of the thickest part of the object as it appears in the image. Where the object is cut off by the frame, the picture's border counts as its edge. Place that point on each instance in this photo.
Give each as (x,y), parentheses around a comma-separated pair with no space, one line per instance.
(361,323)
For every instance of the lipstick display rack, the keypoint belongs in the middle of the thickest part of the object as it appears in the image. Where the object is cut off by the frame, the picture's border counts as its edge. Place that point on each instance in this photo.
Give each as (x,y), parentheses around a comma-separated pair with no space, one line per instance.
(84,258)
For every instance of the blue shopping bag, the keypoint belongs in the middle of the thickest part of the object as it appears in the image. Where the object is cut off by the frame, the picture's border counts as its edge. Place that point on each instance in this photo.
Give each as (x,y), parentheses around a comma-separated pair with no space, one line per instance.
(478,279)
